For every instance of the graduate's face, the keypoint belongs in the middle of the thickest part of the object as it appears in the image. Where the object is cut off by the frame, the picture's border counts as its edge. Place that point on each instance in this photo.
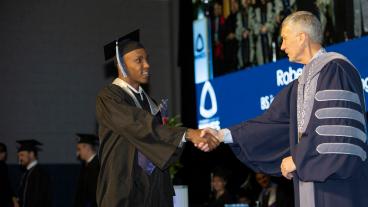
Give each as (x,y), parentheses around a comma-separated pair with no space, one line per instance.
(293,42)
(25,157)
(218,183)
(137,65)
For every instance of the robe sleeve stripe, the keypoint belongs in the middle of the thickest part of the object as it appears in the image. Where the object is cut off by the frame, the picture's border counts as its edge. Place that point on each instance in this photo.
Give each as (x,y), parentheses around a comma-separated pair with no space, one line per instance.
(340,113)
(333,95)
(342,148)
(341,131)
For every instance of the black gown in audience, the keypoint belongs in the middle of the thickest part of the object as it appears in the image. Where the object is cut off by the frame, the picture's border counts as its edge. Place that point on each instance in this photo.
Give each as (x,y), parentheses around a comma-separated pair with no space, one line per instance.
(87,184)
(6,193)
(35,190)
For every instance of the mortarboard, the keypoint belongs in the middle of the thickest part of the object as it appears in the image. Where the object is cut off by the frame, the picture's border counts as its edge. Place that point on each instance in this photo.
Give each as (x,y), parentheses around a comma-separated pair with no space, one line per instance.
(122,46)
(28,145)
(88,139)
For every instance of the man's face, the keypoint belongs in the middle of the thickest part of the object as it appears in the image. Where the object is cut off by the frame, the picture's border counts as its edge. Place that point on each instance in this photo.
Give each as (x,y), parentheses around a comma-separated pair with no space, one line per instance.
(217,9)
(245,3)
(292,43)
(218,183)
(82,151)
(263,180)
(137,65)
(234,6)
(25,158)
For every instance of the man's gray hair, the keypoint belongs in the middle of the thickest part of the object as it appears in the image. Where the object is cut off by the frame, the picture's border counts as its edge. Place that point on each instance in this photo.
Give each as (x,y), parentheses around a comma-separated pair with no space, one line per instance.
(307,23)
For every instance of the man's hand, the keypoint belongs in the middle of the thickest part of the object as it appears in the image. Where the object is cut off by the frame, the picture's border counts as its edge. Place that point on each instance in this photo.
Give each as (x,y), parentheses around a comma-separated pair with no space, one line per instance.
(215,136)
(287,167)
(213,132)
(205,143)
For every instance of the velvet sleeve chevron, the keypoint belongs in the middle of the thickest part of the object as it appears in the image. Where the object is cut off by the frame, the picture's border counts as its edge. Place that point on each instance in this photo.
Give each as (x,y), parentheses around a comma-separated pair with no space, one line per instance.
(334,143)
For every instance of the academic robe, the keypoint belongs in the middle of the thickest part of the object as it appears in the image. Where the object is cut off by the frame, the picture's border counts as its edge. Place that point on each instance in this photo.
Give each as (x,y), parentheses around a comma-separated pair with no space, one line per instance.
(36,190)
(6,193)
(125,129)
(331,153)
(87,184)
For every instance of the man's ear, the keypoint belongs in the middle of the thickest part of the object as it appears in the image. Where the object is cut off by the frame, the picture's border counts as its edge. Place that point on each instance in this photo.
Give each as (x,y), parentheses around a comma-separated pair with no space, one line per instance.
(302,37)
(32,155)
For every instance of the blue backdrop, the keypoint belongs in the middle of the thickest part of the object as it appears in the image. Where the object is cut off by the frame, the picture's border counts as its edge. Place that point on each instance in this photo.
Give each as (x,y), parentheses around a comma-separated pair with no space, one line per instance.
(230,99)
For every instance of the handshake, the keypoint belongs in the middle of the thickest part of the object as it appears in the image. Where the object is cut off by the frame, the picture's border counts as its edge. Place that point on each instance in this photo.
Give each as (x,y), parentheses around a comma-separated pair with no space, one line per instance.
(205,139)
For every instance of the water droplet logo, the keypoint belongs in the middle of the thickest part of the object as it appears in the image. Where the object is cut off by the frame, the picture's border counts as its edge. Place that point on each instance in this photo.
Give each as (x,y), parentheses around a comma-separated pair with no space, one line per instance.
(199,43)
(208,89)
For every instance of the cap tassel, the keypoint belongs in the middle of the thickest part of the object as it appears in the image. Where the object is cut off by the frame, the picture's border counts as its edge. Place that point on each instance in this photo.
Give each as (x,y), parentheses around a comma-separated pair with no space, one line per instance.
(122,67)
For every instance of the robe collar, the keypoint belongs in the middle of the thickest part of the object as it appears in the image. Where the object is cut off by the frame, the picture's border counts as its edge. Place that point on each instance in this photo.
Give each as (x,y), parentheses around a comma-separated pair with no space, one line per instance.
(130,90)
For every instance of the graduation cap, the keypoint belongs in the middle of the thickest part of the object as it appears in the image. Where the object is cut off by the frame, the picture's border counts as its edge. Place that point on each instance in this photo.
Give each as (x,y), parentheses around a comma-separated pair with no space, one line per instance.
(29,145)
(122,46)
(88,139)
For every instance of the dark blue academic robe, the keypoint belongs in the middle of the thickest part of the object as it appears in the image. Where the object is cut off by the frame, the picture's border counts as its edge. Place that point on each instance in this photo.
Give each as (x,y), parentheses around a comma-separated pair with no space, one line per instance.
(331,152)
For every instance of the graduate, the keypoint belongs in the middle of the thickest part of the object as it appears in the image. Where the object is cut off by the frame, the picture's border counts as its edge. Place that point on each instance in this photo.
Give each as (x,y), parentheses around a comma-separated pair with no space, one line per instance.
(136,149)
(34,187)
(315,130)
(87,182)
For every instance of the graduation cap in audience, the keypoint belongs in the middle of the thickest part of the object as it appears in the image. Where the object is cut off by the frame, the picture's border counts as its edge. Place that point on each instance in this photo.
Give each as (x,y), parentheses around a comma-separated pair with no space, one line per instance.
(88,139)
(29,145)
(123,45)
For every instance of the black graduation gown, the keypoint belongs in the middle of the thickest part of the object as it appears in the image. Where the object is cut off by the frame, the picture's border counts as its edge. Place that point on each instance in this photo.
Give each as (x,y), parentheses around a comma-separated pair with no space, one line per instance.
(37,190)
(124,129)
(335,162)
(87,184)
(6,193)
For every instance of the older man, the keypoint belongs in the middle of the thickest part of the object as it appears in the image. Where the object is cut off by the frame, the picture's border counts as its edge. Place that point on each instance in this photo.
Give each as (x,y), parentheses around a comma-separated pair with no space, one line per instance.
(315,128)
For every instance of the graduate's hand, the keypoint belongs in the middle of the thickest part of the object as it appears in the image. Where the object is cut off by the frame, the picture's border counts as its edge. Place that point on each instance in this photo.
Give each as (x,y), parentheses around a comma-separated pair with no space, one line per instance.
(287,167)
(218,134)
(211,136)
(204,143)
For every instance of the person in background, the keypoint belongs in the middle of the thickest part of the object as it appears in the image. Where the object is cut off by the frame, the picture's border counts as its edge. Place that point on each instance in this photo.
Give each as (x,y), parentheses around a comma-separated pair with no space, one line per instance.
(220,195)
(218,36)
(7,196)
(272,195)
(34,187)
(87,147)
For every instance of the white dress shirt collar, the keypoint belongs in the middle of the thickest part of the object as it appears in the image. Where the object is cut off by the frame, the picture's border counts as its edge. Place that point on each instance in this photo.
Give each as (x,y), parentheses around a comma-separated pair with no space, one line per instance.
(91,158)
(32,164)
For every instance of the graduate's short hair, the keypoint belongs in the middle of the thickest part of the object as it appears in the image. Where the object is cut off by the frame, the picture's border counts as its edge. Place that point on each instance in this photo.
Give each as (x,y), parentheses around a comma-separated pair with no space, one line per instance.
(307,23)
